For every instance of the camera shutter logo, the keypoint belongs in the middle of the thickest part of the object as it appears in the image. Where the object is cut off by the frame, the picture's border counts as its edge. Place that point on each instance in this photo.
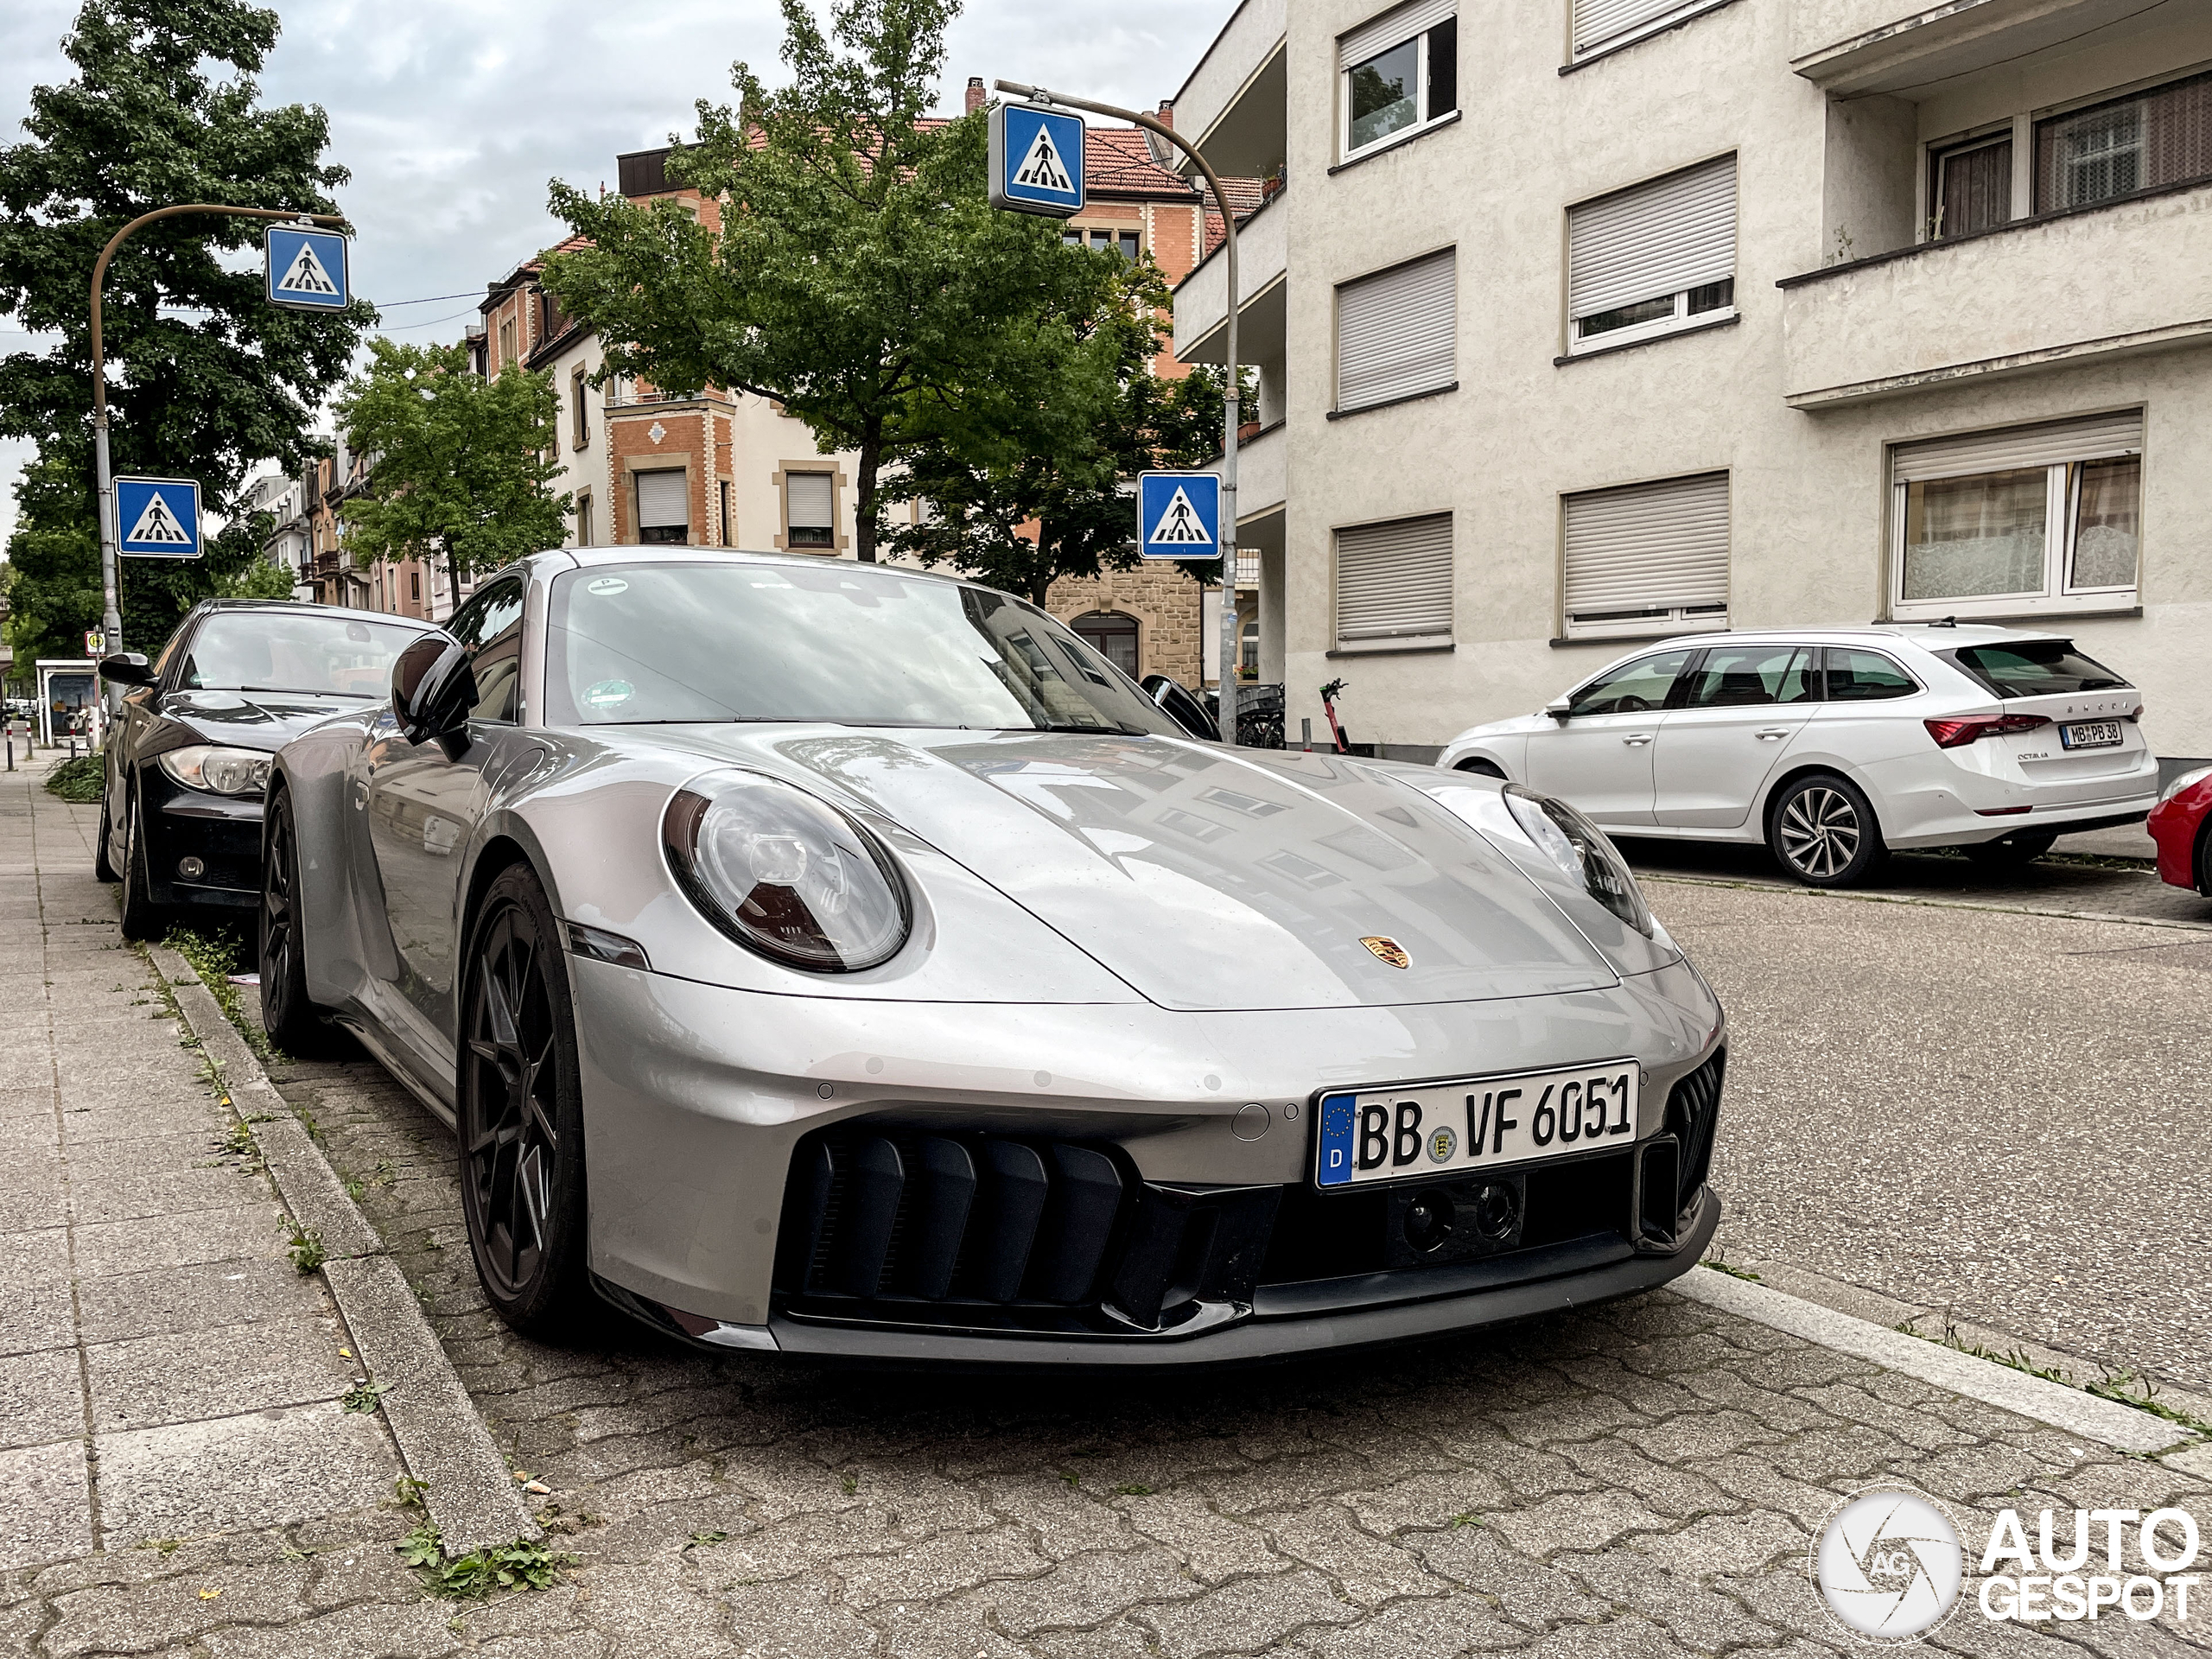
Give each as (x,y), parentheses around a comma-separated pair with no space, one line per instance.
(1888,1565)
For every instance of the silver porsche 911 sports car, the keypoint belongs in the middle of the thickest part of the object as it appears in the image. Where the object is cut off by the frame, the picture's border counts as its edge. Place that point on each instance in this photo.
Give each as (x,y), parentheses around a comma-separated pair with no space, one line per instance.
(835,959)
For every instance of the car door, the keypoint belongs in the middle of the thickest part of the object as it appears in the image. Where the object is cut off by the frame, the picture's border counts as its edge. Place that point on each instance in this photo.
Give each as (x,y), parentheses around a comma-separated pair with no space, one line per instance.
(1597,757)
(423,801)
(1738,708)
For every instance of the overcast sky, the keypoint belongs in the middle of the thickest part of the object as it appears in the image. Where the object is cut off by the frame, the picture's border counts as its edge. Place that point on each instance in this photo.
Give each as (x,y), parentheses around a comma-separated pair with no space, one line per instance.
(453,114)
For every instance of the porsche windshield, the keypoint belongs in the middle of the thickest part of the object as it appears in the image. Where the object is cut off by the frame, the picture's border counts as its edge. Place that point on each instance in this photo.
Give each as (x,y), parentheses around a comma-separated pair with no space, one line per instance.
(293,650)
(838,641)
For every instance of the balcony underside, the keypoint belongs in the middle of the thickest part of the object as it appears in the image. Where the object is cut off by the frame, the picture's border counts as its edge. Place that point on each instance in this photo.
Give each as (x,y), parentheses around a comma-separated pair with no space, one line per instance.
(1880,51)
(1260,332)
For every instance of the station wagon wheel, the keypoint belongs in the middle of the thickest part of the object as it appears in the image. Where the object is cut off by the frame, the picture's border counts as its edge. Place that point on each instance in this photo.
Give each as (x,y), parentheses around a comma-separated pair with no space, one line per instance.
(1823,831)
(520,1115)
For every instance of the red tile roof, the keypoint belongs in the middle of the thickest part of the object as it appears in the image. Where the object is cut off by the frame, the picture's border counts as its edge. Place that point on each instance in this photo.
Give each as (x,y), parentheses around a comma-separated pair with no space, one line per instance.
(1118,162)
(1244,197)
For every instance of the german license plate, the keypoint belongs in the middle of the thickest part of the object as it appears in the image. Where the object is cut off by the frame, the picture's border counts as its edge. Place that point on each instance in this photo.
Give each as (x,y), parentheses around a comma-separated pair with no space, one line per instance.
(2089,735)
(1450,1128)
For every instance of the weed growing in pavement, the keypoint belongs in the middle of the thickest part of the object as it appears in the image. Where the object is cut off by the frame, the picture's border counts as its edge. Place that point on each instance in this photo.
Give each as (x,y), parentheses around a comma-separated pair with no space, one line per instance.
(167,1546)
(698,1539)
(1466,1518)
(80,781)
(1720,1264)
(519,1566)
(2126,1388)
(306,1249)
(1134,1488)
(365,1396)
(2115,1385)
(407,1492)
(214,957)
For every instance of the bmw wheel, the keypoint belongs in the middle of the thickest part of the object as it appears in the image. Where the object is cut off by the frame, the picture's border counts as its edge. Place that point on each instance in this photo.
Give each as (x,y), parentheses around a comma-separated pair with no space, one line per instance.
(520,1114)
(102,869)
(141,917)
(1824,832)
(294,1024)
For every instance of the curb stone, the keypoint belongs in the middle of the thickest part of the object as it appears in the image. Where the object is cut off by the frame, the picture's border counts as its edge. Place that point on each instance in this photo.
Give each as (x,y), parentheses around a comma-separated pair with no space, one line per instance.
(470,1495)
(2106,1421)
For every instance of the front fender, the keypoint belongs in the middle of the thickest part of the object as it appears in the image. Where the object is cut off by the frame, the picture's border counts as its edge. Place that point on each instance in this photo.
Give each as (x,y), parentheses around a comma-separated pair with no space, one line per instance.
(312,769)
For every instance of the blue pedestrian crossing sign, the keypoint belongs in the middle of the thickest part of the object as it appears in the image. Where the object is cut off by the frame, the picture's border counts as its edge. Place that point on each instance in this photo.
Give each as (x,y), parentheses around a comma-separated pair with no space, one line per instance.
(1036,160)
(305,269)
(158,518)
(1179,515)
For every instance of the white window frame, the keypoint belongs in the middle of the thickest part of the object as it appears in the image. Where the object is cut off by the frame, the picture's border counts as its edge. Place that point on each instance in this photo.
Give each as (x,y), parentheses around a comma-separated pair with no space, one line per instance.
(1681,317)
(1427,119)
(2058,594)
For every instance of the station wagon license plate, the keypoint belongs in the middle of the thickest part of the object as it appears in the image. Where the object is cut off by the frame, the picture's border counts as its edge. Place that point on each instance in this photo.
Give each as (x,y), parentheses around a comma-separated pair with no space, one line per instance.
(2089,735)
(1437,1130)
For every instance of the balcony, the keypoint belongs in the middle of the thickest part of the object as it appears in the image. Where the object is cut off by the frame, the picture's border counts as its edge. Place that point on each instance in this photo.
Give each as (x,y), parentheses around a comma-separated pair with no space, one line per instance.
(1233,106)
(1202,297)
(1851,47)
(1262,474)
(2118,279)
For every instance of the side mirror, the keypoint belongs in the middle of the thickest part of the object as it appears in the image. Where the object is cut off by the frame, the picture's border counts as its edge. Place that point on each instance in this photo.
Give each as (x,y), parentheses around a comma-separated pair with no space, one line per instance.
(127,668)
(1180,706)
(433,688)
(1557,708)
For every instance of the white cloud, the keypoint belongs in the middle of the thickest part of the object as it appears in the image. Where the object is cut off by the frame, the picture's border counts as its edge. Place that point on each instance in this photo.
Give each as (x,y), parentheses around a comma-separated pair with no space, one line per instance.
(454,114)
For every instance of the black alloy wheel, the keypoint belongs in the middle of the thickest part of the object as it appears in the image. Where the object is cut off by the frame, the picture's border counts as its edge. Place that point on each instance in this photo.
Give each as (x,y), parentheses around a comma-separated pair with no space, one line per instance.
(142,918)
(2010,851)
(102,869)
(294,1024)
(1823,831)
(520,1114)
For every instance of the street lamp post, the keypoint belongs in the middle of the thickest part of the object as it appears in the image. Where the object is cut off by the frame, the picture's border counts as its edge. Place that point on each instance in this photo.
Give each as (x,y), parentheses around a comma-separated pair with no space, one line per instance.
(110,560)
(1229,628)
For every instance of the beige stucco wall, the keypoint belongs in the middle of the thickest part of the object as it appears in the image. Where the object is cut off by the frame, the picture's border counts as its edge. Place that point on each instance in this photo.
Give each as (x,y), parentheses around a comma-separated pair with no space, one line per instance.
(1809,489)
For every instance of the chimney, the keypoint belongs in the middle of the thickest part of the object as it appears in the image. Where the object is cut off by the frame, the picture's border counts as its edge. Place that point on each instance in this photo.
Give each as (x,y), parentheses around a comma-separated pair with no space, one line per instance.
(1167,111)
(975,93)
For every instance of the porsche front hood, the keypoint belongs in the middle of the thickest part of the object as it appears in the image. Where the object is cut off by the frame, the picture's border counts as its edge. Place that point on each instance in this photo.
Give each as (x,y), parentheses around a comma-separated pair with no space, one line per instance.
(1213,882)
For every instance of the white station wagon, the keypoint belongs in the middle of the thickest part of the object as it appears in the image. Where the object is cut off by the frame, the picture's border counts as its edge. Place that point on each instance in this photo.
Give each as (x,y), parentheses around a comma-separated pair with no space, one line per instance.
(1835,745)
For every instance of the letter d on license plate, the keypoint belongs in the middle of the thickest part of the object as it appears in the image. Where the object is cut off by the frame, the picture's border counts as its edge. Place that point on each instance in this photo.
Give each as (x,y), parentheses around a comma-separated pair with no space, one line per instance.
(1449,1128)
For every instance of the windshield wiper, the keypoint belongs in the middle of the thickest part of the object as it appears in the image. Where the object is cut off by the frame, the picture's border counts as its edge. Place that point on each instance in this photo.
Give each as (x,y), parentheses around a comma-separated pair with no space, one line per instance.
(1119,730)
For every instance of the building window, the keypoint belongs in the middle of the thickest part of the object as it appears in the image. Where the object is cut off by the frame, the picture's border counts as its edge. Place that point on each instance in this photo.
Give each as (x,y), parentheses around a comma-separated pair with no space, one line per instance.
(1970,186)
(1394,583)
(1112,635)
(1397,333)
(583,519)
(579,412)
(728,528)
(2038,517)
(810,510)
(506,344)
(1655,257)
(1400,73)
(2160,135)
(1125,243)
(663,507)
(1248,653)
(1645,557)
(415,586)
(1601,25)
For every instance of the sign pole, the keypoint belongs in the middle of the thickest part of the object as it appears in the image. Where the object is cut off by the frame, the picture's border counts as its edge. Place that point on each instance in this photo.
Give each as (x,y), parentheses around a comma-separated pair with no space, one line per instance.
(110,561)
(1229,629)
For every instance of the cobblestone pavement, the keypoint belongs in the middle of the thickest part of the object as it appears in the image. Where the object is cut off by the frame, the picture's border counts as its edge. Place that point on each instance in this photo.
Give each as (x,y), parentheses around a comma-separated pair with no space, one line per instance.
(1641,1478)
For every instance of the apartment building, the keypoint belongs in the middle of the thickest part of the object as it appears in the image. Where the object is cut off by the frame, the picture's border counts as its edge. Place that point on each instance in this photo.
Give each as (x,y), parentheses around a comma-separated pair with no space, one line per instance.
(309,538)
(1580,322)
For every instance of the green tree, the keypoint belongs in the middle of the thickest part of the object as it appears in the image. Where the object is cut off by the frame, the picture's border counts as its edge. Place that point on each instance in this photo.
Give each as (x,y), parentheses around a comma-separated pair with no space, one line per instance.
(460,465)
(1061,472)
(208,380)
(847,263)
(55,552)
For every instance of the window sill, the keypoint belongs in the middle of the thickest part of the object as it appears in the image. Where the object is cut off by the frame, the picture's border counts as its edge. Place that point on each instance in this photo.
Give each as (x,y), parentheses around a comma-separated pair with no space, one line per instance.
(1566,640)
(1391,403)
(2049,616)
(1391,647)
(1651,34)
(1383,147)
(1728,321)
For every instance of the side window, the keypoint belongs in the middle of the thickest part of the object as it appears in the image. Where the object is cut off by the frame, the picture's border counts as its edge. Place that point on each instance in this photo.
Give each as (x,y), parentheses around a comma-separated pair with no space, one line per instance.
(490,627)
(1633,688)
(1855,676)
(1745,675)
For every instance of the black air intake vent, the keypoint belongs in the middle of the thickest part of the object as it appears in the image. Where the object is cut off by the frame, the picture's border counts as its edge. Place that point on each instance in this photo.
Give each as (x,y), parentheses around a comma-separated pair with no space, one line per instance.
(1692,1112)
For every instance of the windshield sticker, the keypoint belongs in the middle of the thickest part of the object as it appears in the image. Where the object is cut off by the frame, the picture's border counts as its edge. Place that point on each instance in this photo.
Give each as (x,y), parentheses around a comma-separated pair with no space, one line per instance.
(606,588)
(608,694)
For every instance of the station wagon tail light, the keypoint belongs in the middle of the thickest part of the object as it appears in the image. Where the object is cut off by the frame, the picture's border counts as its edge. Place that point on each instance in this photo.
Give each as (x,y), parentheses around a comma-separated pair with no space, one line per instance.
(785,874)
(217,771)
(1962,729)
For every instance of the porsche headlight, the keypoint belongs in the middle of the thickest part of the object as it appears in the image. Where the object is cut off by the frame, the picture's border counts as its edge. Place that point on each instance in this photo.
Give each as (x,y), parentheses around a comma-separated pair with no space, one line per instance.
(219,771)
(2187,780)
(786,875)
(1581,848)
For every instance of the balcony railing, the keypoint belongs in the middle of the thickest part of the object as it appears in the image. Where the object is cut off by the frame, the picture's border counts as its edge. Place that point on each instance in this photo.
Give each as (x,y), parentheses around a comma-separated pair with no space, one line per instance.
(1202,297)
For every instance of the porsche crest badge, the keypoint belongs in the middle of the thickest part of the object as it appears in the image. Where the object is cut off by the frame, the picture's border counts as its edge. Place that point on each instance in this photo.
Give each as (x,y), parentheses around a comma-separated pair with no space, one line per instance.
(1389,950)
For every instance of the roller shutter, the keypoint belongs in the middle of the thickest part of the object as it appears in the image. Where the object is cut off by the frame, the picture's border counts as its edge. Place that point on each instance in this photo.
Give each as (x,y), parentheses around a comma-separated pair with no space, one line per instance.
(1600,22)
(813,500)
(1653,551)
(1656,238)
(1400,24)
(664,501)
(1395,332)
(1393,581)
(2020,446)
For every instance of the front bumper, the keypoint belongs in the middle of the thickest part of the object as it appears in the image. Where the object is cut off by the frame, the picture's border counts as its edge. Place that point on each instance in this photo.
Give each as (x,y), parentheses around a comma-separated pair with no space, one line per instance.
(770,1171)
(222,831)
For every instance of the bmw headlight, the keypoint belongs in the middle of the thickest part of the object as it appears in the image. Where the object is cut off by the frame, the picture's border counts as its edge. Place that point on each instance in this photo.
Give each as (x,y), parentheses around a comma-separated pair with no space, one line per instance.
(786,875)
(219,771)
(2187,780)
(1581,849)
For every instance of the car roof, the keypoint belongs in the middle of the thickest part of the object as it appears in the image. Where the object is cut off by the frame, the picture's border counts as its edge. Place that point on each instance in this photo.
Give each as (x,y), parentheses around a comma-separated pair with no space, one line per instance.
(309,607)
(587,558)
(1931,636)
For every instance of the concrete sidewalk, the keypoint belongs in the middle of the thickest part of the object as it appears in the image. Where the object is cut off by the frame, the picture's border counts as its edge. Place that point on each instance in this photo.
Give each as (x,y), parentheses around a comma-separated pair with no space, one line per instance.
(165,1373)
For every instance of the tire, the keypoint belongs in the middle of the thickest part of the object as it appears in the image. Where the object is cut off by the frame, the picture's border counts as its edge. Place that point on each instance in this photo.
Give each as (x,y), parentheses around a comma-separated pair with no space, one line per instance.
(142,918)
(294,1024)
(1823,831)
(102,869)
(1481,768)
(519,1115)
(2011,852)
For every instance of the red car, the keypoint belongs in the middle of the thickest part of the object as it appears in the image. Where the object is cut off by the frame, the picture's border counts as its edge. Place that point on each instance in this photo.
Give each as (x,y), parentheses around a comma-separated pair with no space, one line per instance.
(2177,825)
